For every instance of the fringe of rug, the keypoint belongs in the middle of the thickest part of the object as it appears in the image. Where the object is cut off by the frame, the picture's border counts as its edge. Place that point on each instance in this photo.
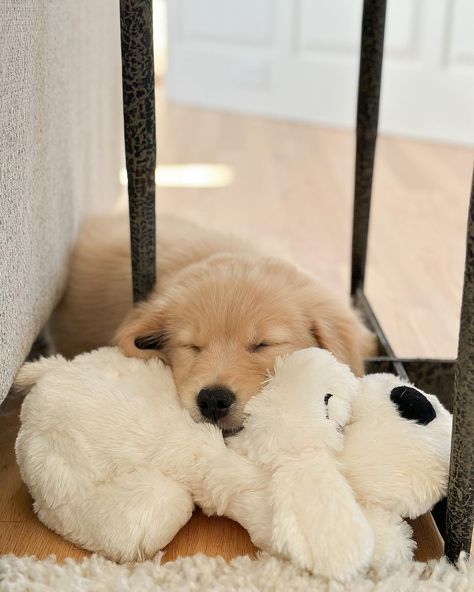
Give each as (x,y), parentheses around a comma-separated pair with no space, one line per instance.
(201,573)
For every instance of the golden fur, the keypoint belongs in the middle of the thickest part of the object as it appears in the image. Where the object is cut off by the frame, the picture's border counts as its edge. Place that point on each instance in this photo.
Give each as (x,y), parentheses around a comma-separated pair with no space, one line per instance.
(219,315)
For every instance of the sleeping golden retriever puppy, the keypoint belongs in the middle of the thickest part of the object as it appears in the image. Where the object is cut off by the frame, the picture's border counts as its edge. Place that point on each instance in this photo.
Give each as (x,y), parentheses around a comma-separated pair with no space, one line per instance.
(219,315)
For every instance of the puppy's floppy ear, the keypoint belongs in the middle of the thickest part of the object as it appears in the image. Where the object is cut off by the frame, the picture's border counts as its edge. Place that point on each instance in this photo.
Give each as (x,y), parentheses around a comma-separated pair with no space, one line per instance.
(335,326)
(142,334)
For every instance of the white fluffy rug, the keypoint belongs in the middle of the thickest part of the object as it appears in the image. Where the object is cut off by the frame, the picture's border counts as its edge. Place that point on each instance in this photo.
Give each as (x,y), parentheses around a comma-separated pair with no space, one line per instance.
(201,573)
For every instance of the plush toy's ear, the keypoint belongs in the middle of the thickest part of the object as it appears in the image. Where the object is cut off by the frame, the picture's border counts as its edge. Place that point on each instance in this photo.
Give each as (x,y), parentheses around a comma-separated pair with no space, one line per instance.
(412,404)
(317,522)
(31,372)
(142,334)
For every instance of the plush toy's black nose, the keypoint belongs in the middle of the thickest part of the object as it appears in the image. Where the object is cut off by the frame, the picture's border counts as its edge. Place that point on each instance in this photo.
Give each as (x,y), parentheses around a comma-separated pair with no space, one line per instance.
(412,404)
(215,401)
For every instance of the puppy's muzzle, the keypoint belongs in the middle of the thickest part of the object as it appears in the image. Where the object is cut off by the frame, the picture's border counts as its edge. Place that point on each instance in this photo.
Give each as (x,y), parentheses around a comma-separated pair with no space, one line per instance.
(214,402)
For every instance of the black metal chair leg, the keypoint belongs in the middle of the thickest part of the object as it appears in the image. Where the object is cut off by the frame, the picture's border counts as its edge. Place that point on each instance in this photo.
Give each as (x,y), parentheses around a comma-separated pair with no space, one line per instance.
(138,79)
(370,74)
(460,512)
(460,502)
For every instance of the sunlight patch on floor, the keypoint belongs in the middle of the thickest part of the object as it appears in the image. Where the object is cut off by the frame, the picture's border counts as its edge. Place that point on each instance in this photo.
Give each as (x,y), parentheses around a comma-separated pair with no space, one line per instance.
(190,175)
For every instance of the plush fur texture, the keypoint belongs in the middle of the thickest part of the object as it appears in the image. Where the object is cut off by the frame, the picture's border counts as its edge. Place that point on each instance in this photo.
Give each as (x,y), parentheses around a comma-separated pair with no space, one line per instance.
(243,574)
(115,464)
(220,313)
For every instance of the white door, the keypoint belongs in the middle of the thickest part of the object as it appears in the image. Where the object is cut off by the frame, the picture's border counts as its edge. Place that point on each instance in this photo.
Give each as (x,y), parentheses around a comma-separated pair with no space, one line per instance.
(298,59)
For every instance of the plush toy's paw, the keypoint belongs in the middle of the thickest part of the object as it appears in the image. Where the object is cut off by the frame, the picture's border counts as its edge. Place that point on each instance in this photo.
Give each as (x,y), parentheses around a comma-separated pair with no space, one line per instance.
(412,404)
(393,543)
(213,468)
(317,522)
(227,483)
(130,518)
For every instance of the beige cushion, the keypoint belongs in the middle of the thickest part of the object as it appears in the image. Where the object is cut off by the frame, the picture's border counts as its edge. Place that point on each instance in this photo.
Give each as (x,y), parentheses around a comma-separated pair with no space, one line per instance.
(60,151)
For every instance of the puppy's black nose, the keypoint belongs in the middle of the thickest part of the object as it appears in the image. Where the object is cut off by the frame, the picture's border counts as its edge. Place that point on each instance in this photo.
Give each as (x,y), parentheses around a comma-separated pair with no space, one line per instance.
(215,401)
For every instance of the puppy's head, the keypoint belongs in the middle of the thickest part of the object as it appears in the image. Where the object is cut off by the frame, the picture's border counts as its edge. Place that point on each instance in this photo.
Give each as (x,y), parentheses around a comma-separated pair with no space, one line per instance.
(222,322)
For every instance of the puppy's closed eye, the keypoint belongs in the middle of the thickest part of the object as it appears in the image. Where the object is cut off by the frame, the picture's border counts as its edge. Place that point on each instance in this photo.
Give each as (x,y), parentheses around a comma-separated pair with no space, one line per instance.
(254,348)
(194,348)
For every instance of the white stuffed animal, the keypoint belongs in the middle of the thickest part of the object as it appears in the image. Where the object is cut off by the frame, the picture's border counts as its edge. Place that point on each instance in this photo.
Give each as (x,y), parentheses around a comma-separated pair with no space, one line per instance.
(323,471)
(328,439)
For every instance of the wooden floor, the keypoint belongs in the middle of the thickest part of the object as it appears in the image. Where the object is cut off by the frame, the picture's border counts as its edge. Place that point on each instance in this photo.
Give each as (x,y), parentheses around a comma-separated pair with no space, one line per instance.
(292,189)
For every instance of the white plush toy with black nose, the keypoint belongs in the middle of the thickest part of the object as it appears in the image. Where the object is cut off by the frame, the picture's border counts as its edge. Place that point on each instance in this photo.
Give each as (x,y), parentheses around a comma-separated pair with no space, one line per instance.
(347,458)
(323,473)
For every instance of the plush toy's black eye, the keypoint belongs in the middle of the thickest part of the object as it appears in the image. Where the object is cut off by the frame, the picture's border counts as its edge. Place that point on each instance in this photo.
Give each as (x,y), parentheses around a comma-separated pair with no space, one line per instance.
(326,401)
(412,404)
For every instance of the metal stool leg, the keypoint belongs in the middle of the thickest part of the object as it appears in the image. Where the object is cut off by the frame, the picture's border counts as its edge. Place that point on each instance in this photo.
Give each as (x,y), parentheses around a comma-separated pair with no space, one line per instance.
(138,79)
(370,74)
(460,513)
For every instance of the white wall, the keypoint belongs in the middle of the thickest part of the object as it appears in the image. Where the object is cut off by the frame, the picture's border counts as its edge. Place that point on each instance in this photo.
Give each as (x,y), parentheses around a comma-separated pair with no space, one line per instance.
(298,59)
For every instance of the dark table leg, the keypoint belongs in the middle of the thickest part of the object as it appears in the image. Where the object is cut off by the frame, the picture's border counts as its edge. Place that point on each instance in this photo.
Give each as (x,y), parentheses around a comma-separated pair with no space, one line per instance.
(370,74)
(136,24)
(460,512)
